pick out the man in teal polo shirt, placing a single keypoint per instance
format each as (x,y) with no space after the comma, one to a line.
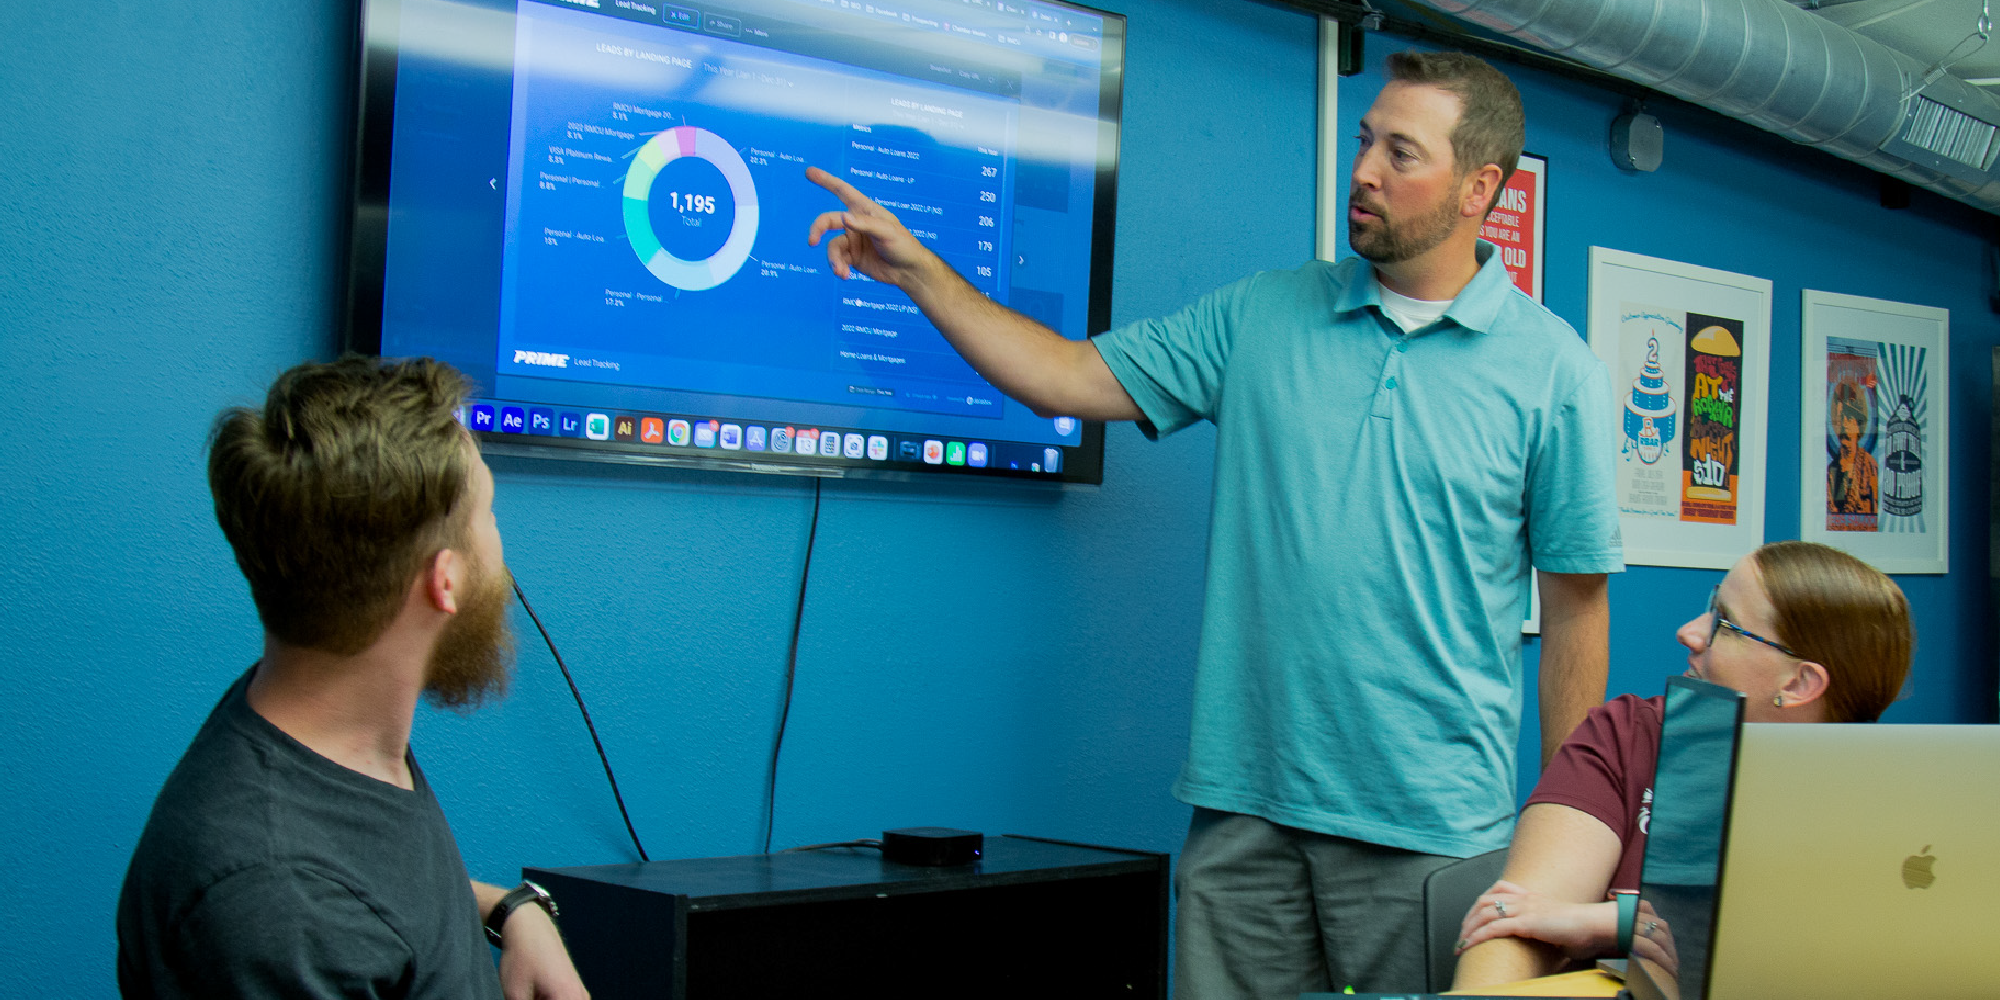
(1399,438)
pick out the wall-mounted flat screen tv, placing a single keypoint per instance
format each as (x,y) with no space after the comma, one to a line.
(597,209)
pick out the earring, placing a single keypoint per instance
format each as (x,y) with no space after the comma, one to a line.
(1777,701)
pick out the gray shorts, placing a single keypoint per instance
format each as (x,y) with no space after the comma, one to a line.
(1270,911)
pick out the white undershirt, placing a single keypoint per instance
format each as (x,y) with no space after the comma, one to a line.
(1408,313)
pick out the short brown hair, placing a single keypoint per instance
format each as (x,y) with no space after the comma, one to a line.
(1844,615)
(1491,126)
(337,492)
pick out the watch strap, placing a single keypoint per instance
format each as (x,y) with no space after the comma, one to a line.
(526,892)
(1628,915)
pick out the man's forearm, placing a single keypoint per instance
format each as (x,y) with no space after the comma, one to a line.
(1576,638)
(1051,374)
(485,897)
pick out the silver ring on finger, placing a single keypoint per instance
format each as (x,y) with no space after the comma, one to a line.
(1499,908)
(1651,926)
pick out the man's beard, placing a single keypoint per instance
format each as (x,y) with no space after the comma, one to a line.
(474,656)
(1386,241)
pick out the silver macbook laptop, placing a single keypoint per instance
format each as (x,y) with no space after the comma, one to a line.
(1855,860)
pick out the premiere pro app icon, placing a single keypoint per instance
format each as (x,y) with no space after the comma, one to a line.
(482,417)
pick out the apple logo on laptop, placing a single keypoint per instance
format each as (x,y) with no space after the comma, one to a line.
(1917,870)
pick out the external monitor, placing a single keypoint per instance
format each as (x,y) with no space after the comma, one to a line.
(598,208)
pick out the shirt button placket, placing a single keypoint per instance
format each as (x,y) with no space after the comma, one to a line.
(1390,367)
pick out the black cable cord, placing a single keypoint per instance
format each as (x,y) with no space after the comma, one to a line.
(578,695)
(791,675)
(865,842)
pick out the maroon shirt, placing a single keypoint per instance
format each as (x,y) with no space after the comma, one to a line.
(1605,769)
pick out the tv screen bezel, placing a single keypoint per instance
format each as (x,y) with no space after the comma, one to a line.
(378,32)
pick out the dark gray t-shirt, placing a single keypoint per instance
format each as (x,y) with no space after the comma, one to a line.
(267,870)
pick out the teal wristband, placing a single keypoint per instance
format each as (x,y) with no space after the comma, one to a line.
(1628,915)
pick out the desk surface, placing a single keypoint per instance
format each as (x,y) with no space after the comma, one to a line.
(1588,983)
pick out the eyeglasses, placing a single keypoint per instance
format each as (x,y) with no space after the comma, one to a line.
(1716,623)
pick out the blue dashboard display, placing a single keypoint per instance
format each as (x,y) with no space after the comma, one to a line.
(598,210)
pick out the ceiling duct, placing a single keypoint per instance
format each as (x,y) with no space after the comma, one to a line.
(1781,68)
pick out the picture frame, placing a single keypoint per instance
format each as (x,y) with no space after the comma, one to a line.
(1689,353)
(1874,427)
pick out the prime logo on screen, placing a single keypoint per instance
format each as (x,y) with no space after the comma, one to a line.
(543,358)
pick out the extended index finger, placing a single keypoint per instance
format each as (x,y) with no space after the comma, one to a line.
(848,194)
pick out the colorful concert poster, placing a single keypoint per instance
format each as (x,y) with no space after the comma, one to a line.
(1902,409)
(1874,408)
(1651,341)
(1715,406)
(1853,475)
(1877,424)
(1688,352)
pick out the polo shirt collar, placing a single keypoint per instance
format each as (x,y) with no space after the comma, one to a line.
(1477,307)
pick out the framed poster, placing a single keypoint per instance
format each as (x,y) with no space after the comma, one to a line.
(1689,351)
(1874,421)
(1516,223)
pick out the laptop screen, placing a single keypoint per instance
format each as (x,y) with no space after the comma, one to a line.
(1684,838)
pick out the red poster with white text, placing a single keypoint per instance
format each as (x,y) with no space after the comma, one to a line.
(1515,224)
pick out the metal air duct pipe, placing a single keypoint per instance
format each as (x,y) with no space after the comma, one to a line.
(1781,68)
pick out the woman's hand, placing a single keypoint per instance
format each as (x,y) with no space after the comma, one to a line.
(1653,941)
(1581,930)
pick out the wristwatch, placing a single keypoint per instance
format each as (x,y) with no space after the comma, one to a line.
(526,892)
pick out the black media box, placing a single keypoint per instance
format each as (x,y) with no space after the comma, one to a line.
(932,846)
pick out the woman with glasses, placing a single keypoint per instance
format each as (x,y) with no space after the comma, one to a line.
(1808,634)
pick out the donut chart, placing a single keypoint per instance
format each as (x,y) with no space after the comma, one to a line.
(660,150)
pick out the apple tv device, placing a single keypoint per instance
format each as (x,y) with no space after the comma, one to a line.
(932,846)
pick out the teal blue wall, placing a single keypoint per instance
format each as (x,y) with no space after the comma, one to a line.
(1004,659)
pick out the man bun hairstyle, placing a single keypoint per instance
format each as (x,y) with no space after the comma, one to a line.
(1844,615)
(1491,125)
(339,491)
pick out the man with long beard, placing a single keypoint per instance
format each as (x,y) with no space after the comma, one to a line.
(1399,438)
(296,850)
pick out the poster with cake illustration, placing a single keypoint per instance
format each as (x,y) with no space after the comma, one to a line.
(1687,351)
(1650,389)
